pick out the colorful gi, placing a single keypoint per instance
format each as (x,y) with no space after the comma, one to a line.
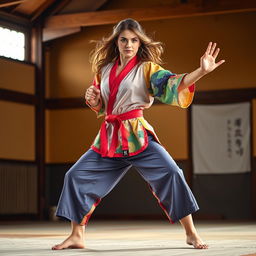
(133,89)
(126,139)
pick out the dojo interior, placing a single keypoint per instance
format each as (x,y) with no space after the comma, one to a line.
(46,125)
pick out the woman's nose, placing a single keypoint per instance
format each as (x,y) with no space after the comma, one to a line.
(128,43)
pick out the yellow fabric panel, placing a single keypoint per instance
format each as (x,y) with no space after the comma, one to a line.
(149,69)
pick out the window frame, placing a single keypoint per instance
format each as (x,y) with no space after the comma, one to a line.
(27,34)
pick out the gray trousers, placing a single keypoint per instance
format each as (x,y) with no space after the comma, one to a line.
(92,177)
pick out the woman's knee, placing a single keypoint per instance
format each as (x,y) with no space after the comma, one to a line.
(174,171)
(167,162)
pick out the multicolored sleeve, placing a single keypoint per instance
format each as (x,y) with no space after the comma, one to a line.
(99,112)
(163,85)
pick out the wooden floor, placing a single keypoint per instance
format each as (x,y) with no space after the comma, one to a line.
(128,238)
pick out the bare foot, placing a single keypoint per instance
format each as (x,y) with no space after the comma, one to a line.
(72,242)
(195,240)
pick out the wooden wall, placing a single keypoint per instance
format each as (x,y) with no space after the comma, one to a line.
(17,129)
(185,39)
(18,173)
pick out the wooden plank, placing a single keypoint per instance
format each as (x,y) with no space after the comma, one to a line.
(86,6)
(38,60)
(18,97)
(50,34)
(30,6)
(55,7)
(6,3)
(140,14)
(42,8)
(224,96)
(65,103)
(8,17)
(111,16)
(17,161)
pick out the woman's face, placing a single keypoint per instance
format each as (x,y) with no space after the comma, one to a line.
(128,44)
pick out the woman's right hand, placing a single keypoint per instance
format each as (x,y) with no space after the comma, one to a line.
(92,95)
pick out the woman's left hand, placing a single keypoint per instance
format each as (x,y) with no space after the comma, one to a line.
(207,61)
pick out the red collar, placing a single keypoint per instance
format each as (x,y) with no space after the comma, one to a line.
(114,81)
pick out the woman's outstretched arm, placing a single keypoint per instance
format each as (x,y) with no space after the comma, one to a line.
(207,65)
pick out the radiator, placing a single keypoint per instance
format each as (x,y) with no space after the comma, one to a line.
(18,188)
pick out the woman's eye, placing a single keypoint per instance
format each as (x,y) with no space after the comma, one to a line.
(123,40)
(134,40)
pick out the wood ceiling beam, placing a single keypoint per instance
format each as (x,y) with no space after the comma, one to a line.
(56,7)
(50,34)
(41,9)
(14,18)
(31,7)
(50,10)
(142,14)
(6,3)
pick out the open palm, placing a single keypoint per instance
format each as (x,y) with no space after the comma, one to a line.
(208,60)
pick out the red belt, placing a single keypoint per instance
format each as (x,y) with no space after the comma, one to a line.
(116,120)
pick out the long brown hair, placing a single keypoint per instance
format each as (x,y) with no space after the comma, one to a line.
(106,50)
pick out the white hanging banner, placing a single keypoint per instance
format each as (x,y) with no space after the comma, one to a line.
(221,138)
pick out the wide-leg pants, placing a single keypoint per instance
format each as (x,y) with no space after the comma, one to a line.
(92,177)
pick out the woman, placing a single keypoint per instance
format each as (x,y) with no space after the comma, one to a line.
(128,78)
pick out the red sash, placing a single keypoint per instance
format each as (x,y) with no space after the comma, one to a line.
(116,120)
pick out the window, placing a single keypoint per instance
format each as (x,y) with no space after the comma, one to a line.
(12,44)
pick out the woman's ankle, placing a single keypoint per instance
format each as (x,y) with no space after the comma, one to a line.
(188,225)
(77,234)
(191,232)
(77,230)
